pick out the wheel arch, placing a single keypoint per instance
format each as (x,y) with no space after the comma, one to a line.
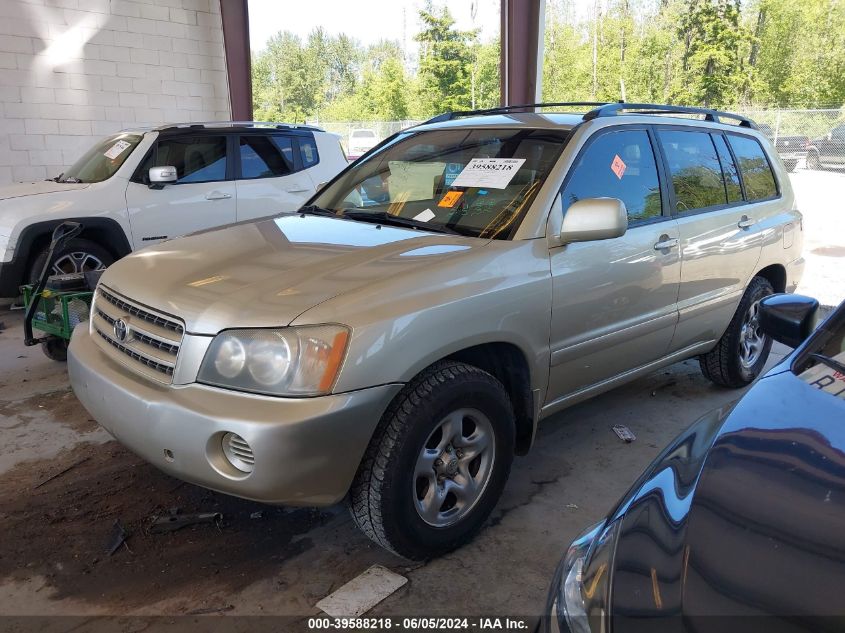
(104,231)
(775,274)
(509,365)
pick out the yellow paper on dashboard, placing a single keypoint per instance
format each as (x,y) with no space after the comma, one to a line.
(411,181)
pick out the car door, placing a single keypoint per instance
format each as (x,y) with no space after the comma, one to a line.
(202,197)
(614,301)
(270,177)
(720,232)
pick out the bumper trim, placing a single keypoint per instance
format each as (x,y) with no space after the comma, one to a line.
(306,450)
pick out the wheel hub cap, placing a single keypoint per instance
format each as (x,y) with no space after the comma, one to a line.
(454,467)
(751,338)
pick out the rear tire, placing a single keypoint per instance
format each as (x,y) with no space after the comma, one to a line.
(76,256)
(437,463)
(741,353)
(813,161)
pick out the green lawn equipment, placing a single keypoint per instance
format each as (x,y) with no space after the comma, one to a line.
(56,304)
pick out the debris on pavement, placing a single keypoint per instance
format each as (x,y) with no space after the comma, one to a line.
(624,433)
(256,515)
(118,538)
(210,610)
(173,521)
(61,472)
(571,506)
(362,593)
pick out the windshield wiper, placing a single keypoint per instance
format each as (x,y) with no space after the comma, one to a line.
(382,217)
(313,209)
(830,362)
(72,180)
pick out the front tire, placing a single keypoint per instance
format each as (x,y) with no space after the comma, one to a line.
(437,463)
(743,350)
(77,256)
(813,161)
(790,165)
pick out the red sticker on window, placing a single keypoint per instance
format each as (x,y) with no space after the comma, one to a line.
(618,166)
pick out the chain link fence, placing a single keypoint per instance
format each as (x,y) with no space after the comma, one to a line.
(813,139)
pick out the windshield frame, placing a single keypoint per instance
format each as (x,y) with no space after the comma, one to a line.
(562,136)
(97,151)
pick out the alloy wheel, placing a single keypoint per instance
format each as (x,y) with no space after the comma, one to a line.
(454,467)
(752,341)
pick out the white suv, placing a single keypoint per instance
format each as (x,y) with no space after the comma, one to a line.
(143,186)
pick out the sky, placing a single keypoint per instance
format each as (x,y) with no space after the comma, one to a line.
(366,20)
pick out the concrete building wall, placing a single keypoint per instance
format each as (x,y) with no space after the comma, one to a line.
(72,71)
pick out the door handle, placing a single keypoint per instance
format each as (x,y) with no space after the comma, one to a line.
(297,190)
(666,242)
(745,222)
(218,195)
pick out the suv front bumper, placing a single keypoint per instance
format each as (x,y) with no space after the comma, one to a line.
(307,450)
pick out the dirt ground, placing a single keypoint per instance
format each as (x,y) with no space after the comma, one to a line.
(67,493)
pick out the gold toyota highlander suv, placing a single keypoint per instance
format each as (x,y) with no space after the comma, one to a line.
(396,341)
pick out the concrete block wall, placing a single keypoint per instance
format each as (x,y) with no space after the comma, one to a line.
(72,71)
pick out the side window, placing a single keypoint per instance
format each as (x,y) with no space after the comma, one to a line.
(308,151)
(265,156)
(729,170)
(754,167)
(196,159)
(695,169)
(838,133)
(617,165)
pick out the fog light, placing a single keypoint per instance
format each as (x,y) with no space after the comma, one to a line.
(238,452)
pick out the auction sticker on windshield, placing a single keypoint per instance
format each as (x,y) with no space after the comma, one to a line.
(495,173)
(116,150)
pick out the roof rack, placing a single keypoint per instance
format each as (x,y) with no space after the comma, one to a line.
(254,124)
(603,109)
(448,116)
(714,116)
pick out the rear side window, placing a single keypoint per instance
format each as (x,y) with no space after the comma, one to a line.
(695,169)
(754,167)
(196,159)
(617,165)
(729,170)
(308,151)
(266,156)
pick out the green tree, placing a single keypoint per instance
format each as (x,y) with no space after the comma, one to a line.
(444,74)
(715,47)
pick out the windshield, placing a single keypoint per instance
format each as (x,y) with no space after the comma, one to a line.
(822,363)
(103,160)
(473,182)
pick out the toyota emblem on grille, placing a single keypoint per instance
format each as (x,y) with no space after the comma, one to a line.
(121,330)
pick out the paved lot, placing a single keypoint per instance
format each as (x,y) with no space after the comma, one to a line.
(55,536)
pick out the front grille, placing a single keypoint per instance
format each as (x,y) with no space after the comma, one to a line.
(150,339)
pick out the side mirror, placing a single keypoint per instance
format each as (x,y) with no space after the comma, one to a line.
(788,319)
(160,176)
(594,219)
(321,185)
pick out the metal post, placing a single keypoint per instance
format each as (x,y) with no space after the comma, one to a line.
(523,25)
(235,19)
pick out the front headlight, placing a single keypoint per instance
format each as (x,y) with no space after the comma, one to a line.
(295,361)
(578,594)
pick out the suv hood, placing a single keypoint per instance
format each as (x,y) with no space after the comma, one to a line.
(267,273)
(21,189)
